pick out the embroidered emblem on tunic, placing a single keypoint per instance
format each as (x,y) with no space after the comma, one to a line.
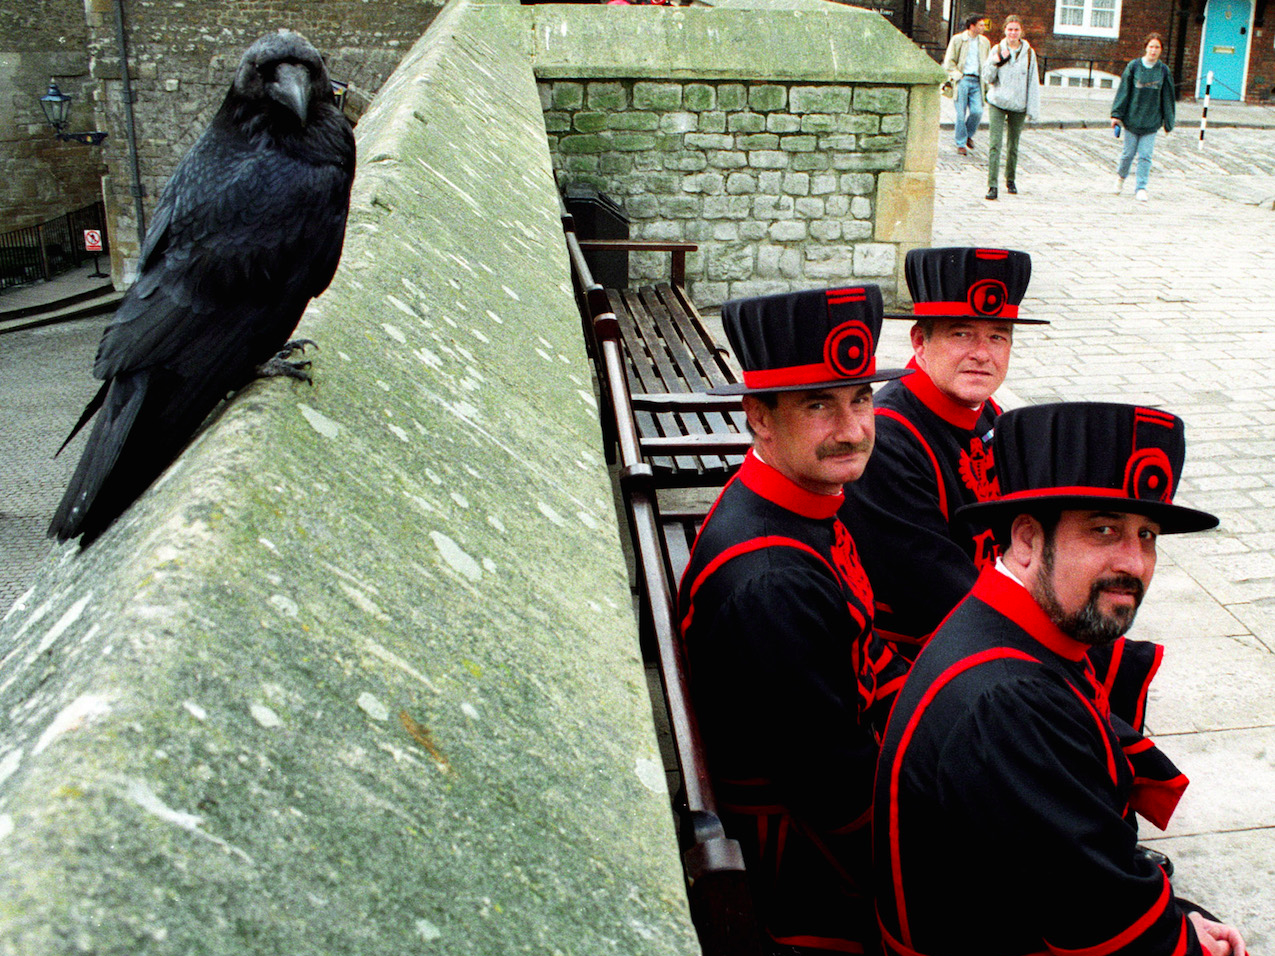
(846,558)
(975,468)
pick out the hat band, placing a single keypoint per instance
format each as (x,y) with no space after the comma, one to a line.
(1076,491)
(1007,311)
(818,373)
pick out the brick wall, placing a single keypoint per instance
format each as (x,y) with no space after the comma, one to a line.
(1137,19)
(42,177)
(183,56)
(776,182)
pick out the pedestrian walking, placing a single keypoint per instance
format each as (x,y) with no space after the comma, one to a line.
(1144,102)
(966,54)
(1013,97)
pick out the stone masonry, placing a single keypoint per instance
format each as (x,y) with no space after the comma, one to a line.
(776,182)
(182,57)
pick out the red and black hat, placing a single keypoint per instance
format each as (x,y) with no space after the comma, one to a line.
(820,338)
(960,282)
(1090,455)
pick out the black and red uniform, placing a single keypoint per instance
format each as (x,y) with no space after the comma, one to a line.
(1003,796)
(932,455)
(789,682)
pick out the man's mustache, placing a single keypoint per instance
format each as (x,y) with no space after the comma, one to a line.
(1119,582)
(835,449)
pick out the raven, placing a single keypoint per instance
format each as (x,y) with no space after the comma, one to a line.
(248,230)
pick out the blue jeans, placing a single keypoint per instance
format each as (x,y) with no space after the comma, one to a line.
(969,100)
(1142,145)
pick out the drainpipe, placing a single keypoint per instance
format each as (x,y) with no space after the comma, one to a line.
(135,185)
(1179,52)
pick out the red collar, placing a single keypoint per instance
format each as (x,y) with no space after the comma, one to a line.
(1010,598)
(761,478)
(954,413)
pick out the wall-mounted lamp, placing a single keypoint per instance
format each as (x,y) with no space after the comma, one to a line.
(339,90)
(56,106)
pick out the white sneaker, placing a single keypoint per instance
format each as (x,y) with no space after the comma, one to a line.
(1140,195)
(1119,185)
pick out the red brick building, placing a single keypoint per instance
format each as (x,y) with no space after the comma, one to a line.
(1087,42)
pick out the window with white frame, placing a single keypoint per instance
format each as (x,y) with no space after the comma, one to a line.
(1089,18)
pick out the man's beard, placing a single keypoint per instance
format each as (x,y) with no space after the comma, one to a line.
(1088,625)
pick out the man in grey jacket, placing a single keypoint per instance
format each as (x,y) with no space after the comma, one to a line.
(966,55)
(1013,96)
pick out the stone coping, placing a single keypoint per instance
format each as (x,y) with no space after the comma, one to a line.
(796,40)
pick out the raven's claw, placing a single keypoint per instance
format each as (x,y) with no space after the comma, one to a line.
(279,365)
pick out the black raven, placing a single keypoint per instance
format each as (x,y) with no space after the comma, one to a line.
(248,230)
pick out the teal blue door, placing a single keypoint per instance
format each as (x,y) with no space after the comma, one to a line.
(1225,51)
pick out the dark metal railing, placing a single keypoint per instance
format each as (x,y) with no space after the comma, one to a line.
(50,248)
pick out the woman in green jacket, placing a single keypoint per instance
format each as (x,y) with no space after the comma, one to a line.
(1144,102)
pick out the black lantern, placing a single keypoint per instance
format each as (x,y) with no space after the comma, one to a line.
(56,106)
(339,90)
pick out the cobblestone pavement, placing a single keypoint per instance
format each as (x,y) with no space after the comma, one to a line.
(1170,302)
(45,382)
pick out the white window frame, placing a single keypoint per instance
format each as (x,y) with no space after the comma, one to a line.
(1086,29)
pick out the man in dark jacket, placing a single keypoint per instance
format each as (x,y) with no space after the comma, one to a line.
(1006,786)
(933,432)
(789,682)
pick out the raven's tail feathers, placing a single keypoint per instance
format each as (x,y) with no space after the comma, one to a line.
(122,399)
(94,404)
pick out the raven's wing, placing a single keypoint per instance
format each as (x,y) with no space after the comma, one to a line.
(243,238)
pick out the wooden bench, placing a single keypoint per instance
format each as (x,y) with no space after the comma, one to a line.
(672,361)
(717,887)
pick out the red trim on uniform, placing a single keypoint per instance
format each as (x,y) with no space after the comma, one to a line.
(922,386)
(1180,949)
(1120,940)
(938,474)
(838,296)
(1157,799)
(893,636)
(746,547)
(1139,714)
(708,517)
(891,687)
(1167,419)
(766,481)
(993,254)
(815,374)
(962,310)
(1072,491)
(858,823)
(1113,668)
(1103,725)
(1013,600)
(820,942)
(1141,745)
(954,671)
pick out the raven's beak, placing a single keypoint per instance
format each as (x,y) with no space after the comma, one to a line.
(291,87)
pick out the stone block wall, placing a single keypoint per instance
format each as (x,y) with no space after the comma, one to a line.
(182,57)
(778,183)
(40,177)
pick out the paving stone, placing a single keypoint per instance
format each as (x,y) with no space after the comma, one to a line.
(1230,874)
